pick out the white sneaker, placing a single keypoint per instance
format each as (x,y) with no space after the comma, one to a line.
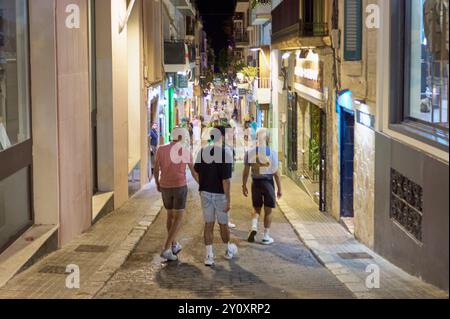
(252,235)
(267,240)
(231,226)
(168,254)
(209,261)
(231,252)
(177,248)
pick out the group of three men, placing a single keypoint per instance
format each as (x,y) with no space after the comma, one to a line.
(213,170)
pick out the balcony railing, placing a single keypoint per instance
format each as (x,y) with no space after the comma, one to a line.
(261,12)
(285,16)
(308,29)
(241,38)
(286,20)
(264,83)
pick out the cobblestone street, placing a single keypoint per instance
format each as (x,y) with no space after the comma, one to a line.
(285,270)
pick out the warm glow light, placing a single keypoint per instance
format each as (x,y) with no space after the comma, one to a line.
(240,77)
(313,56)
(286,55)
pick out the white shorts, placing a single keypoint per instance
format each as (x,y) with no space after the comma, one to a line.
(214,206)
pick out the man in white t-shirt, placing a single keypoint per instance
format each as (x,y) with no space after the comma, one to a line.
(262,163)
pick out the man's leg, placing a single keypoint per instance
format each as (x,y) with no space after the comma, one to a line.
(255,221)
(177,221)
(257,200)
(209,234)
(269,205)
(209,239)
(210,220)
(170,218)
(267,224)
(225,234)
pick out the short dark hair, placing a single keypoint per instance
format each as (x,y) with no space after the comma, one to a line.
(222,131)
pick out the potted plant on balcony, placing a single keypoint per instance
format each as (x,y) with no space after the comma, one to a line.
(262,2)
(250,73)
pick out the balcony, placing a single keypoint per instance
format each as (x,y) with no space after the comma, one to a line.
(261,12)
(263,90)
(241,40)
(178,56)
(185,7)
(241,6)
(287,22)
(190,26)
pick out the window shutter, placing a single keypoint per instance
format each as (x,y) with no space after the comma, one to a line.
(353,30)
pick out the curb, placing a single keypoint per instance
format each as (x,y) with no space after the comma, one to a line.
(98,280)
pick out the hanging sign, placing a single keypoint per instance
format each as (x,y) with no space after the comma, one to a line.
(182,81)
(309,74)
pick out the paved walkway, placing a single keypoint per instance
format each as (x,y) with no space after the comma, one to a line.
(119,258)
(98,253)
(344,256)
(285,270)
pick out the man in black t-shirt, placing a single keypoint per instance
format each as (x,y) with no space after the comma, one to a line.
(214,166)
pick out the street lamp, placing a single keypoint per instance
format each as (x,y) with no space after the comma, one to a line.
(263,55)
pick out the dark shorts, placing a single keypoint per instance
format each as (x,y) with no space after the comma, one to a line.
(174,198)
(263,193)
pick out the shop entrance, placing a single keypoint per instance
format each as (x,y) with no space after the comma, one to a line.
(347,137)
(153,118)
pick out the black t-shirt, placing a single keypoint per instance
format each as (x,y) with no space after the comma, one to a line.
(214,165)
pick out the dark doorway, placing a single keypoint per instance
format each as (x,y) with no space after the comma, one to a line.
(323,160)
(347,162)
(291,132)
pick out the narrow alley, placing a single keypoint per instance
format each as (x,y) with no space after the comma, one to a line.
(133,269)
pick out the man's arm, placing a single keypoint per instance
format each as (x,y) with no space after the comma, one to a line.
(227,189)
(278,182)
(194,172)
(156,171)
(245,176)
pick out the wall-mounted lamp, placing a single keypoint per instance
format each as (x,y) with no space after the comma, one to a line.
(286,55)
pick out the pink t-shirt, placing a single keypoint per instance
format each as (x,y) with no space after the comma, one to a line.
(173,159)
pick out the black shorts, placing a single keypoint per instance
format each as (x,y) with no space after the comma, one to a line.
(175,198)
(263,193)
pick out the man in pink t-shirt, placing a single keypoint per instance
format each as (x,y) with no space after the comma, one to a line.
(170,178)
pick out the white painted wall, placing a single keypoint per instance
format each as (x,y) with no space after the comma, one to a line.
(134,88)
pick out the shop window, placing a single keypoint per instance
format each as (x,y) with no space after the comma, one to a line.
(427,62)
(14,86)
(15,137)
(419,66)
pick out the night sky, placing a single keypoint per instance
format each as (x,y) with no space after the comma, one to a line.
(217,16)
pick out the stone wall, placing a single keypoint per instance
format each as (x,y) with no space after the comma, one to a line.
(361,78)
(364,184)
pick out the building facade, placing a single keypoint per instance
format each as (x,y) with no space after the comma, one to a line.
(302,63)
(372,157)
(78,81)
